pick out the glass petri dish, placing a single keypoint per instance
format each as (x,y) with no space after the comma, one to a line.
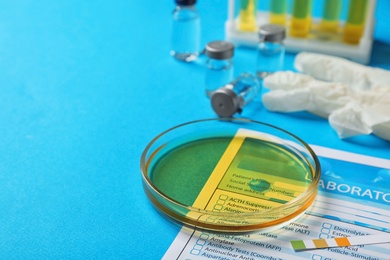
(230,175)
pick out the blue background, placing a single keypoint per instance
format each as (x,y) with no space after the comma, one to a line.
(84,86)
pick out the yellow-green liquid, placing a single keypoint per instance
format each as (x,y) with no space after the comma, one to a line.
(301,18)
(354,27)
(247,16)
(278,12)
(331,16)
(182,171)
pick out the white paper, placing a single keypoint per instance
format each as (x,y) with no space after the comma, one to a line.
(342,208)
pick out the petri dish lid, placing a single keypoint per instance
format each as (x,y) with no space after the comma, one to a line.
(230,174)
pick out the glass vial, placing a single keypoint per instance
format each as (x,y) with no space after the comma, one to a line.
(231,98)
(271,50)
(219,65)
(185,31)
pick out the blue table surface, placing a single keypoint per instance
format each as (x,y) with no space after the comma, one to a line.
(85,85)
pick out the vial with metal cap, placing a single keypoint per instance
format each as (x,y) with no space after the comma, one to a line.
(185,31)
(271,49)
(231,98)
(219,65)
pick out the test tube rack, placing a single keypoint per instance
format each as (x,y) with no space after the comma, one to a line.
(315,42)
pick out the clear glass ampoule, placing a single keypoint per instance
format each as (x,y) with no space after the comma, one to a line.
(231,98)
(185,31)
(271,50)
(219,65)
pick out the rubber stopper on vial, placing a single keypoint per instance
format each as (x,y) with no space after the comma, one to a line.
(220,50)
(272,33)
(185,2)
(225,102)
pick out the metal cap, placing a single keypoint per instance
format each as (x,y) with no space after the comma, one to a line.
(225,102)
(185,2)
(220,50)
(272,33)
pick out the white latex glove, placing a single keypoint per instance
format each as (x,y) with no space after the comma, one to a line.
(291,92)
(350,111)
(335,69)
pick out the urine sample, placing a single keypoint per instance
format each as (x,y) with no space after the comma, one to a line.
(301,18)
(247,16)
(356,19)
(331,16)
(278,12)
(231,175)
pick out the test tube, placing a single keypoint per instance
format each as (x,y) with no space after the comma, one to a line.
(354,26)
(331,16)
(247,17)
(278,10)
(301,18)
